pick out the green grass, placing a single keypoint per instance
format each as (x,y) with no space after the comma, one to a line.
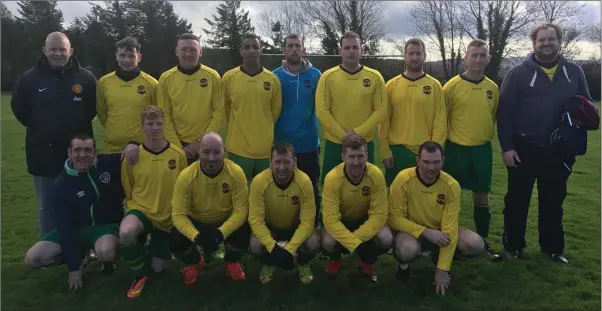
(534,283)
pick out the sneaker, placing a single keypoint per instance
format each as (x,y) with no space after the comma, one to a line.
(235,271)
(491,254)
(560,258)
(403,272)
(333,267)
(107,268)
(190,274)
(367,270)
(137,286)
(513,254)
(266,274)
(305,274)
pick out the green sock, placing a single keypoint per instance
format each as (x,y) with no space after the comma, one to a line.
(190,256)
(136,257)
(482,216)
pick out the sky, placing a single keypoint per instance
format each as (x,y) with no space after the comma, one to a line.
(396,22)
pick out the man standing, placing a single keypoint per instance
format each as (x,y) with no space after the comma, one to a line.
(533,98)
(252,103)
(297,123)
(189,94)
(350,99)
(55,100)
(472,101)
(416,113)
(121,96)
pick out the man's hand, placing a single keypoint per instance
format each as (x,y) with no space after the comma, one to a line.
(75,280)
(388,163)
(441,281)
(191,150)
(131,153)
(510,158)
(437,237)
(282,258)
(210,240)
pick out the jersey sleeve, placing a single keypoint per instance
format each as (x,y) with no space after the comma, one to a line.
(217,104)
(257,213)
(332,215)
(377,214)
(308,216)
(127,178)
(323,103)
(101,105)
(226,101)
(164,102)
(385,125)
(240,202)
(379,109)
(180,205)
(440,122)
(449,226)
(276,103)
(398,209)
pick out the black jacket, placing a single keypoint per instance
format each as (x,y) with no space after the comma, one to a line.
(54,106)
(85,199)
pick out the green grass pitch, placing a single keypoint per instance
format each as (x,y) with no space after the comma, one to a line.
(535,283)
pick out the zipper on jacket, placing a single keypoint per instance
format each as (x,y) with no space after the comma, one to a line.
(97,197)
(298,87)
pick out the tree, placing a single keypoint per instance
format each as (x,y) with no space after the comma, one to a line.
(329,41)
(288,15)
(594,33)
(228,27)
(37,19)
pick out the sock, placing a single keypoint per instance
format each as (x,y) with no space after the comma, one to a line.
(190,256)
(233,254)
(137,258)
(404,266)
(303,258)
(482,216)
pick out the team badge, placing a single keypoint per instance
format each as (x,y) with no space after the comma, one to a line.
(172,164)
(367,82)
(267,86)
(225,188)
(489,94)
(295,200)
(307,84)
(77,89)
(140,89)
(426,90)
(105,177)
(366,191)
(204,83)
(441,199)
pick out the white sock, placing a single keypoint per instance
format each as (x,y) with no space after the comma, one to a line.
(404,266)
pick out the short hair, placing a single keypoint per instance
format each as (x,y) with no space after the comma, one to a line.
(349,35)
(188,36)
(282,148)
(129,44)
(250,36)
(151,112)
(82,136)
(536,28)
(291,36)
(477,43)
(353,141)
(414,41)
(430,147)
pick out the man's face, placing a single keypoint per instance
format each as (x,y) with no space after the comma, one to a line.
(153,128)
(283,166)
(211,156)
(350,50)
(82,154)
(127,60)
(414,57)
(355,160)
(250,50)
(57,51)
(188,52)
(477,58)
(293,51)
(429,164)
(546,45)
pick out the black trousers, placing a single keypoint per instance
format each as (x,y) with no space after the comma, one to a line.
(551,169)
(309,163)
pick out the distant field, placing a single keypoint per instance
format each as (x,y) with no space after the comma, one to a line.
(532,284)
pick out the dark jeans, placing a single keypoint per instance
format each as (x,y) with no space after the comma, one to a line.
(551,169)
(45,196)
(309,163)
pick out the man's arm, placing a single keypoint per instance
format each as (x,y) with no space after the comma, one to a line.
(398,210)
(101,106)
(164,102)
(20,101)
(505,113)
(323,102)
(449,226)
(66,230)
(583,89)
(180,204)
(308,216)
(91,99)
(127,178)
(217,104)
(385,125)
(225,94)
(377,215)
(440,121)
(257,208)
(332,215)
(379,109)
(240,201)
(276,102)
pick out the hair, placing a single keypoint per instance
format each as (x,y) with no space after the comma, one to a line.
(353,141)
(283,148)
(82,136)
(129,44)
(414,41)
(477,43)
(291,36)
(188,36)
(151,112)
(536,28)
(349,35)
(430,147)
(250,36)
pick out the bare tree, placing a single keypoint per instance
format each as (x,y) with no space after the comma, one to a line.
(594,34)
(288,15)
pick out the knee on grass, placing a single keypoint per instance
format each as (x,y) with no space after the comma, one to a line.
(39,256)
(470,244)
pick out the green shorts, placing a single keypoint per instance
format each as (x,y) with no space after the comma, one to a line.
(86,236)
(470,166)
(332,156)
(251,167)
(158,246)
(402,158)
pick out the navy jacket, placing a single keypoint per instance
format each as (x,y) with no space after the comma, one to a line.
(531,106)
(84,199)
(54,106)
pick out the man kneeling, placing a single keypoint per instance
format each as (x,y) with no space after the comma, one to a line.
(354,209)
(282,212)
(423,212)
(88,202)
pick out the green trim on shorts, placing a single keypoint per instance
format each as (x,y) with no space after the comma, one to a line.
(158,246)
(332,156)
(251,167)
(471,166)
(402,158)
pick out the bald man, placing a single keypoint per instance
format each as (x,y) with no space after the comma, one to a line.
(55,100)
(210,205)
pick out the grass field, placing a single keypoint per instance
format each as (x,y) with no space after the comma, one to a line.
(534,283)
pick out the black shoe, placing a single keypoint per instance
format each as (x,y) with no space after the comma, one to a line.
(513,254)
(560,258)
(403,274)
(491,254)
(107,268)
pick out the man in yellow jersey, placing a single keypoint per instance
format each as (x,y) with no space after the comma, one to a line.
(252,103)
(282,216)
(424,204)
(210,205)
(416,113)
(472,102)
(189,94)
(148,187)
(120,96)
(354,209)
(350,98)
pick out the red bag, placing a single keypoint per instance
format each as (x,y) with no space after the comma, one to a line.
(585,115)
